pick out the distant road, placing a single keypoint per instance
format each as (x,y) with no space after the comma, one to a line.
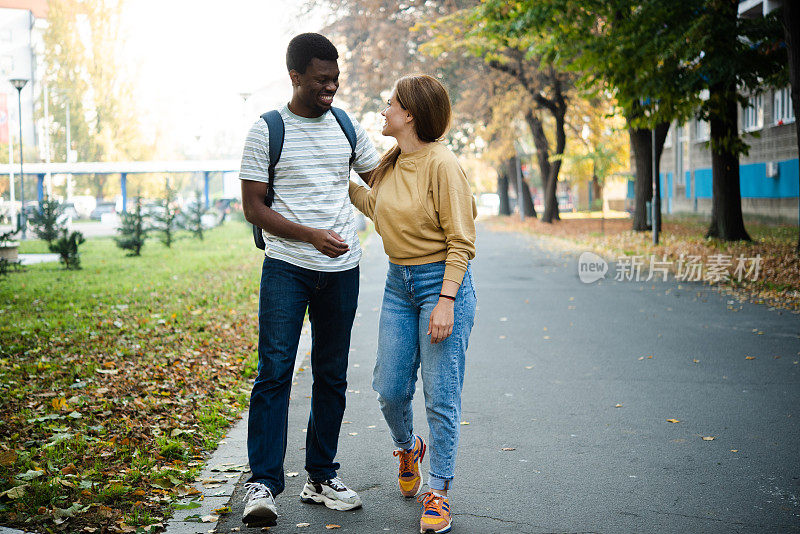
(87,228)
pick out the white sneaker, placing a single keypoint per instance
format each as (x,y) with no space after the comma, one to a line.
(260,505)
(332,493)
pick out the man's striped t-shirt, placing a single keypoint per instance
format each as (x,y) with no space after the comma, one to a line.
(311,184)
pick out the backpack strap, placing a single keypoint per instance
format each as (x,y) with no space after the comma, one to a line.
(276,134)
(347,127)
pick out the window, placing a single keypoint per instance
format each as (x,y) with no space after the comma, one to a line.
(782,110)
(702,131)
(753,114)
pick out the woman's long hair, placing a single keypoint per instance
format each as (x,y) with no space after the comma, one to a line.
(428,102)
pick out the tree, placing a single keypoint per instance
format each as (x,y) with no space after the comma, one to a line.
(482,32)
(83,55)
(165,220)
(47,221)
(657,58)
(790,14)
(66,246)
(379,41)
(194,216)
(132,230)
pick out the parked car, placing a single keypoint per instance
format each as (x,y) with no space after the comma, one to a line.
(101,208)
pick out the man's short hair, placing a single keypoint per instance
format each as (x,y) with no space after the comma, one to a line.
(307,46)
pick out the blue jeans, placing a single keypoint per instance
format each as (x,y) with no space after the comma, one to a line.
(410,295)
(331,298)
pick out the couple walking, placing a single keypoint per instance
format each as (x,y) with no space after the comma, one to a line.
(422,207)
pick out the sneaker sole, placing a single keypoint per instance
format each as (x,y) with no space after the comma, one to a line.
(419,470)
(268,517)
(448,528)
(316,498)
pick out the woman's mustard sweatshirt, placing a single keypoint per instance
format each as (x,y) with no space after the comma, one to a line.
(424,210)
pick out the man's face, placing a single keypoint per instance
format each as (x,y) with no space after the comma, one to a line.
(315,88)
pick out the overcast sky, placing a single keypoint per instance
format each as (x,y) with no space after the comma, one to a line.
(193,58)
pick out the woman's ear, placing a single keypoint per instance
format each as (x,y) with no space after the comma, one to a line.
(409,117)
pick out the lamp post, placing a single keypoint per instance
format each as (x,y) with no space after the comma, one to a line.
(18,84)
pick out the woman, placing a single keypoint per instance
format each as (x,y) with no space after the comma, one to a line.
(423,209)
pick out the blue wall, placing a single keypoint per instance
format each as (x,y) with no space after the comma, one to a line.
(753,181)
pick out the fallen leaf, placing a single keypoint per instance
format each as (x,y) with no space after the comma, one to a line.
(70,470)
(696,361)
(749,357)
(673,421)
(331,527)
(708,438)
(300,525)
(464,422)
(210,518)
(734,450)
(618,406)
(15,492)
(30,474)
(528,367)
(222,510)
(292,474)
(353,433)
(8,458)
(508,449)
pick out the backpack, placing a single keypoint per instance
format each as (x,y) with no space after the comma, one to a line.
(276,134)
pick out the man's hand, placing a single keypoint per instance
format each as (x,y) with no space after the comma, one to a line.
(329,243)
(440,325)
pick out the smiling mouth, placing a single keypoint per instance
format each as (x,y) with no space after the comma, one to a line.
(326,99)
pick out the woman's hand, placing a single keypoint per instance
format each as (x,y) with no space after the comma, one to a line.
(441,322)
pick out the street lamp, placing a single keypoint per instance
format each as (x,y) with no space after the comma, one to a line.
(18,84)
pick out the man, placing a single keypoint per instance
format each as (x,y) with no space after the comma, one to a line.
(312,255)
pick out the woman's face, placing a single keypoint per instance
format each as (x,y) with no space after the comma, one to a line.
(396,119)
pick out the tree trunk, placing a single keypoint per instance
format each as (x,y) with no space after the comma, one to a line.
(502,190)
(551,212)
(545,168)
(791,34)
(642,146)
(527,201)
(643,181)
(726,205)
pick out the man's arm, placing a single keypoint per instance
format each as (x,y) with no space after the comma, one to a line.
(256,212)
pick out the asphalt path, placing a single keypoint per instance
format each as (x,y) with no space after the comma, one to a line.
(578,382)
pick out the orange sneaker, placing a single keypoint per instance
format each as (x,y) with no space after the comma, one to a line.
(410,476)
(435,514)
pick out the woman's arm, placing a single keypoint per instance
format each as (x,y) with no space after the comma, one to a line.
(363,199)
(440,325)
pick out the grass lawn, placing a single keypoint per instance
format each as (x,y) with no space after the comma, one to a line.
(116,379)
(778,279)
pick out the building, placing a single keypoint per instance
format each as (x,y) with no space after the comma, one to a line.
(768,174)
(21,23)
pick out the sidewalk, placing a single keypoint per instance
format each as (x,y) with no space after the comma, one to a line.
(217,481)
(569,388)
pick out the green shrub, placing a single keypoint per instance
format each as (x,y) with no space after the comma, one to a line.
(67,249)
(132,230)
(48,221)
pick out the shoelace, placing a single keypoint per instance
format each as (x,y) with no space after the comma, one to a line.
(432,502)
(406,460)
(337,484)
(256,490)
